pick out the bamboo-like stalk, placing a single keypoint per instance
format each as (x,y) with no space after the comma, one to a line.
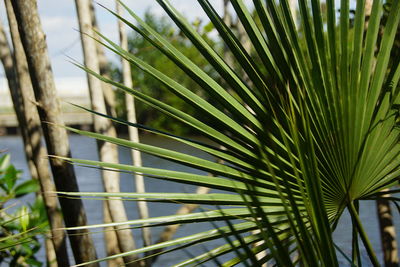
(41,76)
(107,152)
(133,132)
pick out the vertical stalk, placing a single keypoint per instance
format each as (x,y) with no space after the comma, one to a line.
(133,132)
(107,152)
(110,237)
(363,234)
(355,246)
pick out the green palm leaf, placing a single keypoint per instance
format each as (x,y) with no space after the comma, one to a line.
(306,133)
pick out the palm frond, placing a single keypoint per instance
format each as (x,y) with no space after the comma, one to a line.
(305,128)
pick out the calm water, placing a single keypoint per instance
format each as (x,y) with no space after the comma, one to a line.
(89,180)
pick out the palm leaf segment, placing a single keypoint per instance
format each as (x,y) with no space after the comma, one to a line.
(306,129)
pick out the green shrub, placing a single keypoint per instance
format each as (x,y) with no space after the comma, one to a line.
(20,225)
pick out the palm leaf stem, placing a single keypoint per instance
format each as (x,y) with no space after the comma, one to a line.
(363,234)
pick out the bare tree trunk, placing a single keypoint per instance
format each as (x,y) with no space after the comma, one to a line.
(7,60)
(388,233)
(23,98)
(51,257)
(133,132)
(110,237)
(109,96)
(34,44)
(107,152)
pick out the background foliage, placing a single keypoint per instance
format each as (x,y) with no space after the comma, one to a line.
(148,85)
(20,225)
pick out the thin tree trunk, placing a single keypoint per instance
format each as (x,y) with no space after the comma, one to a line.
(388,233)
(107,152)
(51,257)
(133,132)
(28,117)
(34,44)
(6,57)
(110,237)
(109,96)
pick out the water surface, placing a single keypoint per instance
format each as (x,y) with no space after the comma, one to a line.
(89,180)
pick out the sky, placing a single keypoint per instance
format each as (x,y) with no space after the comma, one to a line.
(59,22)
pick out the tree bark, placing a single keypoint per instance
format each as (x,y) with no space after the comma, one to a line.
(111,239)
(29,122)
(388,233)
(51,256)
(110,236)
(107,152)
(6,57)
(133,132)
(35,47)
(108,92)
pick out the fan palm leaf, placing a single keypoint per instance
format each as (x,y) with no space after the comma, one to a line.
(303,130)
